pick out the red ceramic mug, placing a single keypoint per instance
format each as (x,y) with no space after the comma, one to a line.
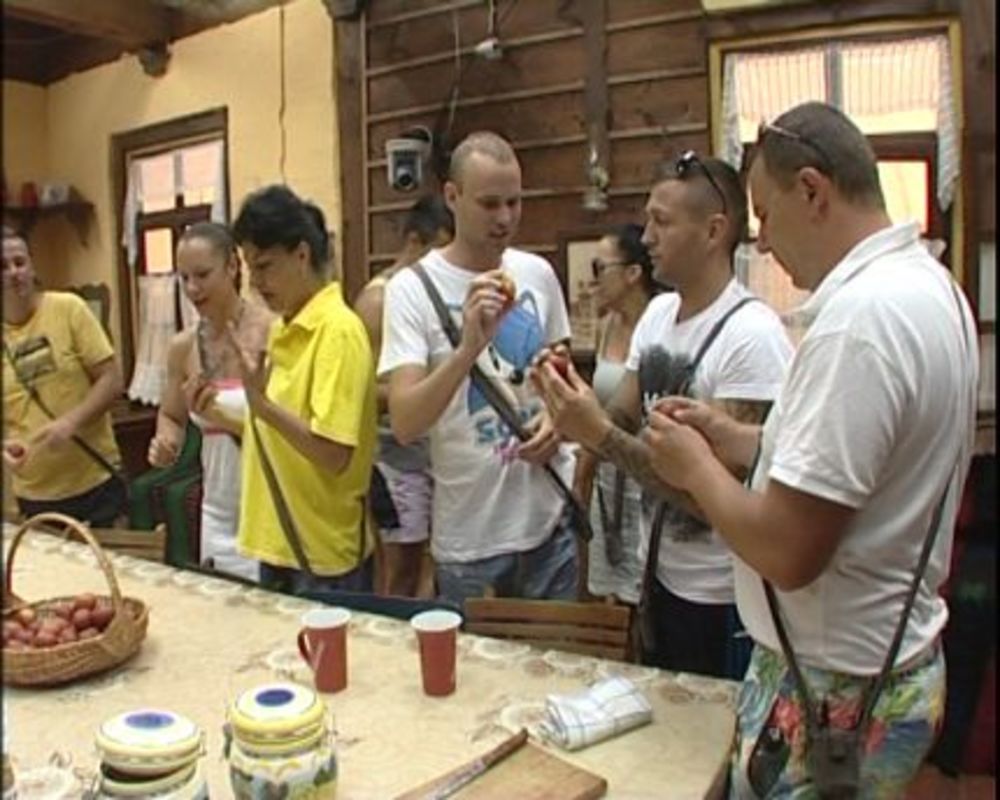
(436,634)
(323,644)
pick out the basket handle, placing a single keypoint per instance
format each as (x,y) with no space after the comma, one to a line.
(71,526)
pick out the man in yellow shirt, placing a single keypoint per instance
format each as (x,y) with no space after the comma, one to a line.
(313,405)
(60,379)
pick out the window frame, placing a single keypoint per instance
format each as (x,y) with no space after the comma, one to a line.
(144,142)
(959,255)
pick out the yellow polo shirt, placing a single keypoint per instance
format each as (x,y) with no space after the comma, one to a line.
(321,370)
(53,351)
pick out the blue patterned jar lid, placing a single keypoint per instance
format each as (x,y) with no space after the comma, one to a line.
(277,712)
(149,741)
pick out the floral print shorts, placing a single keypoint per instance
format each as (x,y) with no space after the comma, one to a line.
(905,721)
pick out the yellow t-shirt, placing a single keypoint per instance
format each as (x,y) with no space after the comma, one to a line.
(52,351)
(322,370)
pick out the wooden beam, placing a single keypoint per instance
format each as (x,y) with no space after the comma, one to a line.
(133,23)
(350,88)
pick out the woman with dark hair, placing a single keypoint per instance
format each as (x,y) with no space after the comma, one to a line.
(203,380)
(307,455)
(623,285)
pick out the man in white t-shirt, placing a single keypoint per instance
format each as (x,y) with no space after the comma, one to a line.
(865,452)
(696,214)
(499,524)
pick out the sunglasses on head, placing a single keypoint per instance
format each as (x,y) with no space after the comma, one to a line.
(689,160)
(597,266)
(766,129)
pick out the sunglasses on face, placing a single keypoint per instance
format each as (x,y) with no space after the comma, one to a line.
(766,129)
(597,266)
(688,161)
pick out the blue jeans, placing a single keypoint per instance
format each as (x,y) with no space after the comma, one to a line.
(294,581)
(549,572)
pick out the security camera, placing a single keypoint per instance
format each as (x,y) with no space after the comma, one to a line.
(405,159)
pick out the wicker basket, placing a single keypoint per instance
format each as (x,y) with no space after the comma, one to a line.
(66,662)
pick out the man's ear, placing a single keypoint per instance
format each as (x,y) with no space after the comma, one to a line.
(814,188)
(451,192)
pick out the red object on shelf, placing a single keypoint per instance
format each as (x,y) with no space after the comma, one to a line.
(29,194)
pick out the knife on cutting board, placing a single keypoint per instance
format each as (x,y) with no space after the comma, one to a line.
(449,783)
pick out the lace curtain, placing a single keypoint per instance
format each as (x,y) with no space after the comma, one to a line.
(881,85)
(197,173)
(157,326)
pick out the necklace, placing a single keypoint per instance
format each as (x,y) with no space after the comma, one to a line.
(210,366)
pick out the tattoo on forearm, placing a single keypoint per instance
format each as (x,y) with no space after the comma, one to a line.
(626,452)
(623,418)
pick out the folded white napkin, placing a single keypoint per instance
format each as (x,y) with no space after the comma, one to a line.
(607,708)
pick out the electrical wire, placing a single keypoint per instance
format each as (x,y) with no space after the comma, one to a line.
(443,131)
(282,91)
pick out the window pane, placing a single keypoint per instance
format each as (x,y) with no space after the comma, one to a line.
(158,250)
(201,166)
(770,83)
(892,86)
(157,176)
(906,186)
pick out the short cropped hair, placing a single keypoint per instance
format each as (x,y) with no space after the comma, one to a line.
(485,142)
(728,181)
(275,216)
(821,136)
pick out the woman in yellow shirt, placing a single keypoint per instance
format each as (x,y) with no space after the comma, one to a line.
(312,421)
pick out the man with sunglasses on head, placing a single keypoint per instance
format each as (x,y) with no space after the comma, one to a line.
(860,466)
(696,214)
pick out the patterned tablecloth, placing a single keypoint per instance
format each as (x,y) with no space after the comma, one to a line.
(209,639)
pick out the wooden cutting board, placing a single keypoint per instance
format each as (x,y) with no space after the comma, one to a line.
(530,773)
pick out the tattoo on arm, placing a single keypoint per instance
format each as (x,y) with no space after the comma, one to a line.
(752,412)
(630,454)
(623,418)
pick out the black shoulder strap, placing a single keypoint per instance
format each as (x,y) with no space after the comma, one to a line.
(874,689)
(683,387)
(494,396)
(713,334)
(284,513)
(36,398)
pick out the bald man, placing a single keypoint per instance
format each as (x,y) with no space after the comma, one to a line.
(500,527)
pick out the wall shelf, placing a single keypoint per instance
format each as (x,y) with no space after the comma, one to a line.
(78,212)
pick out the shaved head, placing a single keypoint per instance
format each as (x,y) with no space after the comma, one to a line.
(484,142)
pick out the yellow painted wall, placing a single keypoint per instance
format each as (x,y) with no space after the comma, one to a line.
(25,151)
(237,66)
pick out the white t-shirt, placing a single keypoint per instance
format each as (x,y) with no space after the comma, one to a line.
(746,361)
(486,500)
(879,398)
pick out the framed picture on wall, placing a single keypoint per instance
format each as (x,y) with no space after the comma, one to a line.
(576,254)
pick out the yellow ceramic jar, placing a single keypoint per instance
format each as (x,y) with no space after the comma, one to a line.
(151,753)
(280,743)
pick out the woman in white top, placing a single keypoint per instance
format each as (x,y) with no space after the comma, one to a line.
(203,381)
(623,285)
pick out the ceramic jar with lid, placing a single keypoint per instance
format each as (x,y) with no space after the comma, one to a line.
(280,743)
(151,753)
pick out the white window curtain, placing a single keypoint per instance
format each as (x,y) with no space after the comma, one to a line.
(156,327)
(879,84)
(198,173)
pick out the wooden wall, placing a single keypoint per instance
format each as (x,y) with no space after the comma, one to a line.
(637,67)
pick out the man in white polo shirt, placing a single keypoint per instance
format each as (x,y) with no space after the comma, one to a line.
(865,451)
